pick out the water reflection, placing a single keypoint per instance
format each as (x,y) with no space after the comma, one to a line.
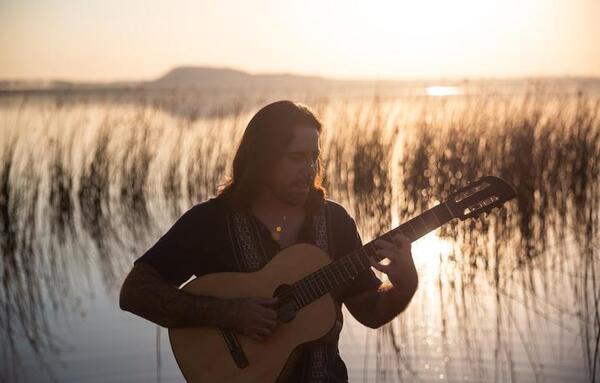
(443,90)
(501,298)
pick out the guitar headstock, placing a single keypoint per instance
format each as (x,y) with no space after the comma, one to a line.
(480,196)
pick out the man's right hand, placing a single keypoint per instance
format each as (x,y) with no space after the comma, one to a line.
(255,318)
(147,294)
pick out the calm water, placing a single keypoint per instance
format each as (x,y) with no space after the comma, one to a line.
(88,184)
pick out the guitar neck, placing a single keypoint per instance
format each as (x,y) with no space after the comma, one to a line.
(342,271)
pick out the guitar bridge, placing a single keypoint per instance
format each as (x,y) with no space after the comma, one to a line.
(235,348)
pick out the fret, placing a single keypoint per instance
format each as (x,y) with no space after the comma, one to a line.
(322,278)
(346,269)
(305,293)
(439,222)
(299,296)
(343,272)
(421,228)
(395,232)
(332,273)
(362,259)
(330,277)
(314,289)
(387,236)
(425,223)
(363,256)
(448,208)
(305,297)
(351,258)
(400,230)
(340,274)
(414,235)
(373,251)
(318,281)
(432,219)
(444,215)
(365,260)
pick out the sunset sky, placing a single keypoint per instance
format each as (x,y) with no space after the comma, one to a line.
(120,39)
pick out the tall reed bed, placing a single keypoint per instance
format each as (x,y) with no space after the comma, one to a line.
(539,256)
(93,184)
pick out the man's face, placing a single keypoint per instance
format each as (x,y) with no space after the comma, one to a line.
(292,177)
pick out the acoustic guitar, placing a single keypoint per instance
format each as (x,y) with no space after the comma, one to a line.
(302,276)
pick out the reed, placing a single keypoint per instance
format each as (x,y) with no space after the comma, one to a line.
(110,177)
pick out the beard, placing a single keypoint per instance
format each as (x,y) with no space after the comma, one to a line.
(291,194)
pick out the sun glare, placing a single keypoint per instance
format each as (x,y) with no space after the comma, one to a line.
(427,254)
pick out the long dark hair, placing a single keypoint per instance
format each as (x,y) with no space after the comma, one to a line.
(267,135)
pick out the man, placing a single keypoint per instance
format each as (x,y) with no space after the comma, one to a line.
(273,200)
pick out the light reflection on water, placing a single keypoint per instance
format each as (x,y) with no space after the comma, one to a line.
(443,90)
(87,187)
(503,341)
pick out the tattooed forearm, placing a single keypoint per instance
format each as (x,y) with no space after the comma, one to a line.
(146,294)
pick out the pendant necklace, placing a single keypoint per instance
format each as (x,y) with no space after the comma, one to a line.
(278,229)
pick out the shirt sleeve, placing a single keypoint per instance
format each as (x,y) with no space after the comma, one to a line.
(176,254)
(365,281)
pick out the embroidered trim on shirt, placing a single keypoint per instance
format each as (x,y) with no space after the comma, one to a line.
(318,350)
(247,257)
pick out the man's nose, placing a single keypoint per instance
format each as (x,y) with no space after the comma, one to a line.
(309,171)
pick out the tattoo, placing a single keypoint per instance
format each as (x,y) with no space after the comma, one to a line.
(147,294)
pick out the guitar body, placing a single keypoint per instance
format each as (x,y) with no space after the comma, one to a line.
(201,352)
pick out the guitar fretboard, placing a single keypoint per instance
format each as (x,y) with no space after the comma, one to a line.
(342,271)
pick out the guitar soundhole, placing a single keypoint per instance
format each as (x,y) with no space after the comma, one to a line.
(286,305)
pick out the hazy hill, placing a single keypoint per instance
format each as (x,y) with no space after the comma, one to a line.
(207,77)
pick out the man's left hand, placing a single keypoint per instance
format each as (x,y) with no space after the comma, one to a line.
(401,269)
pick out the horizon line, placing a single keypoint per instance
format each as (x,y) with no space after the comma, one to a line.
(297,74)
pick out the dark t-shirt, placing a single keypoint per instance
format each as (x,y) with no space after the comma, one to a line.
(201,242)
